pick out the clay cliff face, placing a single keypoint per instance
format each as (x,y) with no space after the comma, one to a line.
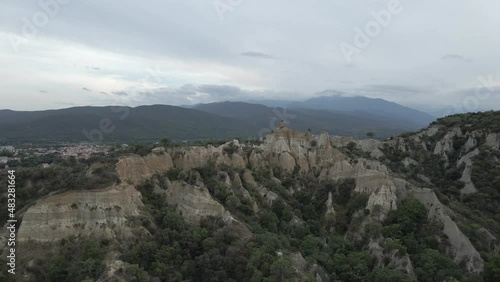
(134,168)
(103,213)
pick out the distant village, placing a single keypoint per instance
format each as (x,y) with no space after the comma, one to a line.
(9,154)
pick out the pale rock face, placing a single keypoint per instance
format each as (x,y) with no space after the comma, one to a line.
(431,131)
(369,145)
(132,169)
(311,159)
(135,168)
(255,159)
(329,205)
(276,145)
(461,248)
(101,213)
(385,197)
(224,176)
(469,187)
(377,154)
(342,141)
(158,162)
(424,146)
(403,263)
(268,196)
(407,162)
(284,160)
(237,180)
(493,141)
(375,165)
(235,160)
(193,157)
(471,143)
(303,163)
(248,178)
(324,141)
(194,202)
(445,145)
(239,189)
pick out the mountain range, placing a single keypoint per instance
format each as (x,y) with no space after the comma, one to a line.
(344,116)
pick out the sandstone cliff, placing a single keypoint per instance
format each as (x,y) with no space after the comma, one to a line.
(103,213)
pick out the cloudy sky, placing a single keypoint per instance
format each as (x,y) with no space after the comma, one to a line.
(432,55)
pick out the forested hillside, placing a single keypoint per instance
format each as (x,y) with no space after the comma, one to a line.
(295,207)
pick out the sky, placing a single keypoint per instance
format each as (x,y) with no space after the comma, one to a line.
(437,56)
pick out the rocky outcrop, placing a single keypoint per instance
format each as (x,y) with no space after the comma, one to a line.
(461,249)
(396,260)
(330,211)
(104,213)
(134,168)
(469,187)
(195,203)
(445,145)
(493,141)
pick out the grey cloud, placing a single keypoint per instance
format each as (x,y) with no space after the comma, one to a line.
(86,89)
(455,57)
(43,91)
(395,88)
(257,55)
(190,94)
(120,93)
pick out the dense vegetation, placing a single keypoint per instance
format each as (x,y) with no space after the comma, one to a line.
(473,121)
(64,175)
(477,214)
(179,252)
(293,224)
(292,235)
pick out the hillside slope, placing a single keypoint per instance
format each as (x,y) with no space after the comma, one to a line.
(145,123)
(341,123)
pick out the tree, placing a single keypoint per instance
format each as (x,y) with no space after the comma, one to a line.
(281,270)
(492,269)
(389,275)
(370,134)
(431,265)
(166,142)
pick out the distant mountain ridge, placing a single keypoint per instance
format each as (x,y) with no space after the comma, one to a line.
(144,123)
(353,116)
(334,101)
